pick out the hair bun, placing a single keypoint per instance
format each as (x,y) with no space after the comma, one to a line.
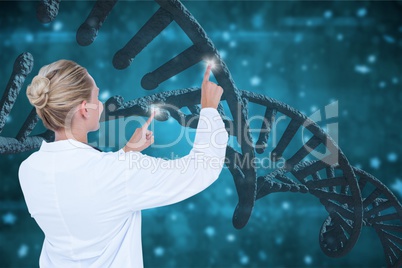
(38,91)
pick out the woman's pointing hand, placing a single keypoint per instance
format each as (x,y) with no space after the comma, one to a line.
(210,92)
(142,137)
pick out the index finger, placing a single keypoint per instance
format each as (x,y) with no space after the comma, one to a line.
(149,119)
(207,73)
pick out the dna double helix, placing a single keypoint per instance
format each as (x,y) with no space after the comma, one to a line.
(352,197)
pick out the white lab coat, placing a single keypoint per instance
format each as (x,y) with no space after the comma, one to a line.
(88,203)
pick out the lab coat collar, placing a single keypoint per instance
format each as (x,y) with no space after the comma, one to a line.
(62,145)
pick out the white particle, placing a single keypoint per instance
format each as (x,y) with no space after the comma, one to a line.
(339,37)
(392,157)
(304,67)
(285,205)
(371,58)
(232,44)
(397,186)
(230,238)
(262,255)
(313,108)
(298,38)
(328,14)
(389,39)
(23,251)
(363,69)
(9,218)
(279,240)
(29,38)
(395,80)
(228,191)
(361,12)
(382,84)
(173,217)
(223,54)
(302,94)
(57,26)
(255,81)
(244,259)
(9,119)
(244,62)
(210,231)
(308,260)
(258,21)
(191,206)
(268,65)
(159,251)
(104,95)
(226,36)
(375,162)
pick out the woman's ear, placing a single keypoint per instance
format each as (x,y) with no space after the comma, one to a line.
(83,109)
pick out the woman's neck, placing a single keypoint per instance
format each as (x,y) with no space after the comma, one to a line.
(63,135)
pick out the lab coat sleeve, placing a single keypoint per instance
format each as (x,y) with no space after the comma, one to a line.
(154,182)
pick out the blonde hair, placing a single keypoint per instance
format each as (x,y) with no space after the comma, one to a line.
(57,89)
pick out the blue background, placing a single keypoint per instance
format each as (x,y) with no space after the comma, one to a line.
(304,53)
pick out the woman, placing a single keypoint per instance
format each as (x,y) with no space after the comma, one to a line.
(88,203)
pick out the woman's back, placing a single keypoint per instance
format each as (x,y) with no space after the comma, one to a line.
(80,204)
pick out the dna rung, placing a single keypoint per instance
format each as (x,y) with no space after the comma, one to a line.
(152,28)
(47,10)
(88,31)
(187,58)
(22,67)
(262,141)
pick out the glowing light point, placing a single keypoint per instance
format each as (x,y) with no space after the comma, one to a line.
(230,238)
(211,62)
(23,251)
(155,109)
(210,231)
(392,157)
(159,251)
(308,260)
(375,163)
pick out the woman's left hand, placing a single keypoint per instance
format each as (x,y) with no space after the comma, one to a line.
(142,137)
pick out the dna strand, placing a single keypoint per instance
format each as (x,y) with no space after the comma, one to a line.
(22,141)
(352,197)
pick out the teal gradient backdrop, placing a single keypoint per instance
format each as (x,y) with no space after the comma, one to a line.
(304,53)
